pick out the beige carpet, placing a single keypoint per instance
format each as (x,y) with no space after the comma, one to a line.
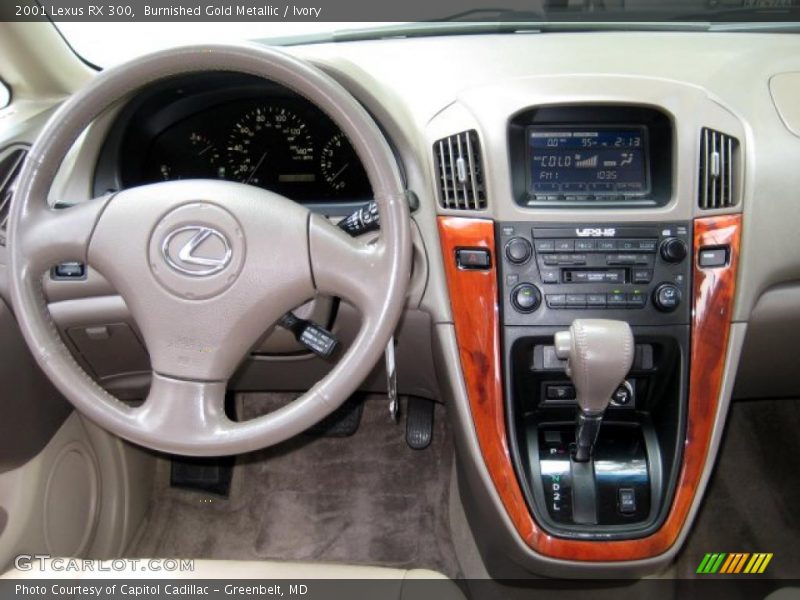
(366,499)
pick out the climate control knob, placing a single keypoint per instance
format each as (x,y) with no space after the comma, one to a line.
(673,250)
(667,297)
(518,250)
(526,297)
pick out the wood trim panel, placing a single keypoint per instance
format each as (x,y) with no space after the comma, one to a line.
(474,303)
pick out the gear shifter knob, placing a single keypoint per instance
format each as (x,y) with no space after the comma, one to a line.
(599,353)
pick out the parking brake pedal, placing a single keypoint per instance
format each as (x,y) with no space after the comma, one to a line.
(212,475)
(419,422)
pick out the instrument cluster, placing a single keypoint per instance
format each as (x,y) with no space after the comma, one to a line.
(281,143)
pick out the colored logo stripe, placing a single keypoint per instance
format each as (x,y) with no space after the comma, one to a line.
(734,563)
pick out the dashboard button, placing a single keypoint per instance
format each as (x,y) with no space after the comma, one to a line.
(576,300)
(607,244)
(596,300)
(565,245)
(549,275)
(526,297)
(616,300)
(636,300)
(545,245)
(473,258)
(583,245)
(642,276)
(667,297)
(518,250)
(556,300)
(713,257)
(673,250)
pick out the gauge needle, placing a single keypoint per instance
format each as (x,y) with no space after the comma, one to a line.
(257,167)
(206,149)
(339,172)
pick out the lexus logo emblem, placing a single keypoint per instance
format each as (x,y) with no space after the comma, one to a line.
(196,250)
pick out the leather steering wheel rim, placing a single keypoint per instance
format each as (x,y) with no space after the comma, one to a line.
(199,328)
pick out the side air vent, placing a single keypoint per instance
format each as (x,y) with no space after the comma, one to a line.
(11,160)
(717,164)
(458,161)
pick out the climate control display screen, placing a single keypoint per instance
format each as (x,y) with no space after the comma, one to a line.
(579,163)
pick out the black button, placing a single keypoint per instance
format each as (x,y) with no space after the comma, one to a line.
(576,300)
(69,270)
(636,300)
(713,257)
(584,245)
(616,300)
(673,250)
(621,396)
(667,297)
(518,250)
(627,500)
(642,275)
(596,300)
(473,258)
(552,436)
(607,244)
(544,245)
(647,245)
(549,275)
(565,245)
(526,297)
(556,300)
(628,245)
(560,392)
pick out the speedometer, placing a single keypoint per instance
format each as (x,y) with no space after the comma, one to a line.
(271,146)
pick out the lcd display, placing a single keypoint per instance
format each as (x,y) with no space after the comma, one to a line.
(580,163)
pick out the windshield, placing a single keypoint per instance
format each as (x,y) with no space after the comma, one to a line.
(107,43)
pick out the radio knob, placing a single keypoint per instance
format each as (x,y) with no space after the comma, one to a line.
(667,297)
(526,297)
(518,250)
(673,250)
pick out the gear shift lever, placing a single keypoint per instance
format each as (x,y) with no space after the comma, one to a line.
(599,353)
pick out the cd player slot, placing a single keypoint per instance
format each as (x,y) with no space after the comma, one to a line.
(616,276)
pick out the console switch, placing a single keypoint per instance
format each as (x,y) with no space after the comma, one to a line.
(473,258)
(627,501)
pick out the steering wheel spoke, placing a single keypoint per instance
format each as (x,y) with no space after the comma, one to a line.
(59,235)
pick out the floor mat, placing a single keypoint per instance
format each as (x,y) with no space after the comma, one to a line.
(753,500)
(366,499)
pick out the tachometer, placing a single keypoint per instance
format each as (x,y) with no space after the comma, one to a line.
(340,166)
(271,147)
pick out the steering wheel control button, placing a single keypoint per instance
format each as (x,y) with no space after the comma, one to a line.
(673,250)
(526,297)
(518,250)
(473,258)
(713,257)
(68,271)
(667,297)
(197,250)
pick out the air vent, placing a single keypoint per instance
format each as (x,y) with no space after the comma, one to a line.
(11,160)
(458,160)
(717,163)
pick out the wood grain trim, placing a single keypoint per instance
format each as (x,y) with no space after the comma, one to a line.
(473,298)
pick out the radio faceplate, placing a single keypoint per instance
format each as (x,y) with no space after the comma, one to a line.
(553,274)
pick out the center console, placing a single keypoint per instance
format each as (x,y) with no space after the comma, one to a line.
(551,275)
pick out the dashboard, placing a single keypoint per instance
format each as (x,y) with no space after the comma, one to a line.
(234,129)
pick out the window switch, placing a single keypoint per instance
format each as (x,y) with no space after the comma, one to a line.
(627,501)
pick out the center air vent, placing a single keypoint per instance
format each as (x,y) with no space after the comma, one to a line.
(11,160)
(460,171)
(717,163)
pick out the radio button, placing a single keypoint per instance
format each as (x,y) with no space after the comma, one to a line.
(545,245)
(565,245)
(673,250)
(583,245)
(642,276)
(556,300)
(606,244)
(628,245)
(647,245)
(621,259)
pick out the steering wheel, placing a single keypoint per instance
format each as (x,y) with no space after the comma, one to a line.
(206,267)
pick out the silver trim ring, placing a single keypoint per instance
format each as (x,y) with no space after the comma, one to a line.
(185,254)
